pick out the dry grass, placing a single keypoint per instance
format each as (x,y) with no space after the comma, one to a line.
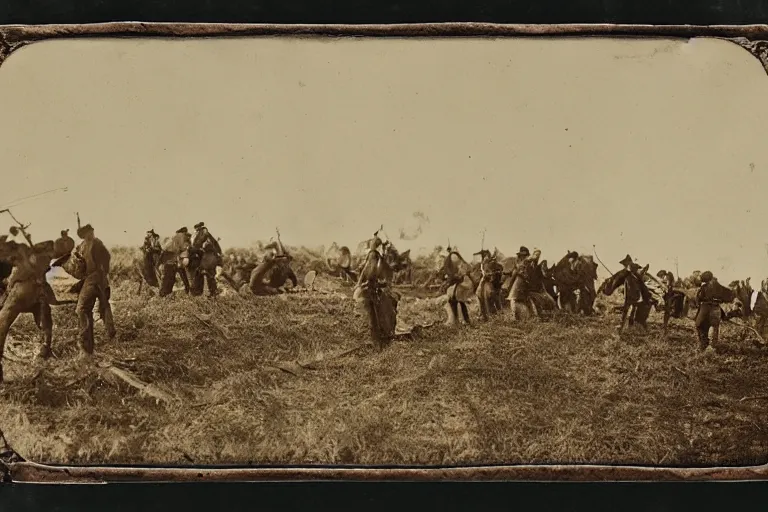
(565,391)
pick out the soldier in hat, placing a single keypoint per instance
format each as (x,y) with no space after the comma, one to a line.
(205,242)
(709,313)
(95,286)
(63,245)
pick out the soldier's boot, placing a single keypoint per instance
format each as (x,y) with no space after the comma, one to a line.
(86,332)
(46,325)
(715,336)
(703,337)
(465,312)
(451,307)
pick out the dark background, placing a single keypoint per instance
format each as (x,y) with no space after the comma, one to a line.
(387,496)
(694,12)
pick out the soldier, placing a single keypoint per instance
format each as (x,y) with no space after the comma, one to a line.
(674,299)
(520,294)
(95,286)
(204,243)
(709,314)
(63,245)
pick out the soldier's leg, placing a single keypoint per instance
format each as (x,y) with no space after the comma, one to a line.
(85,303)
(184,279)
(46,325)
(8,314)
(451,307)
(714,321)
(760,321)
(212,288)
(465,312)
(168,280)
(702,326)
(641,316)
(667,313)
(106,315)
(483,299)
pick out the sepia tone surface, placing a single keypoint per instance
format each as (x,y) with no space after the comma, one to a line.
(640,147)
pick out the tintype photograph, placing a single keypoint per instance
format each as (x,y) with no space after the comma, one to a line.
(402,251)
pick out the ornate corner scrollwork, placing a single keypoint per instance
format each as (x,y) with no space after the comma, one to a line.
(8,45)
(757,47)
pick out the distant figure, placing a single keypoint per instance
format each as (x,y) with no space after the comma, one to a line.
(710,296)
(675,303)
(95,286)
(63,245)
(206,256)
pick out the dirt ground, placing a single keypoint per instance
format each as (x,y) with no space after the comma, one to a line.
(290,379)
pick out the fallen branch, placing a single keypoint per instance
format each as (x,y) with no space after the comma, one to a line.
(210,324)
(758,397)
(133,381)
(681,371)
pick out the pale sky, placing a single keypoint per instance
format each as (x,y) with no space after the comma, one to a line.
(654,148)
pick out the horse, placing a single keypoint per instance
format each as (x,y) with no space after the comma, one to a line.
(380,302)
(637,297)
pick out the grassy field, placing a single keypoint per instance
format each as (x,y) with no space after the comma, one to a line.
(290,379)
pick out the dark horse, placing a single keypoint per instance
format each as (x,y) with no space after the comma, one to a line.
(637,297)
(380,302)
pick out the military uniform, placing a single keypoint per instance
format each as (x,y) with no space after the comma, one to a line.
(95,286)
(63,245)
(203,242)
(709,313)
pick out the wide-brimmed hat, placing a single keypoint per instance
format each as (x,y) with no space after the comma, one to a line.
(200,225)
(83,230)
(182,230)
(627,260)
(523,251)
(152,232)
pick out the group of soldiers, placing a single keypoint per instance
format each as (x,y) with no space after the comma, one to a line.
(195,259)
(532,289)
(173,259)
(25,288)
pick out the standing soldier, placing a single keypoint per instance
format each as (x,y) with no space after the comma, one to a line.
(206,246)
(709,314)
(95,286)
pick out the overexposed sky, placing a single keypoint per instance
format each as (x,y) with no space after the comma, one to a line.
(652,147)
